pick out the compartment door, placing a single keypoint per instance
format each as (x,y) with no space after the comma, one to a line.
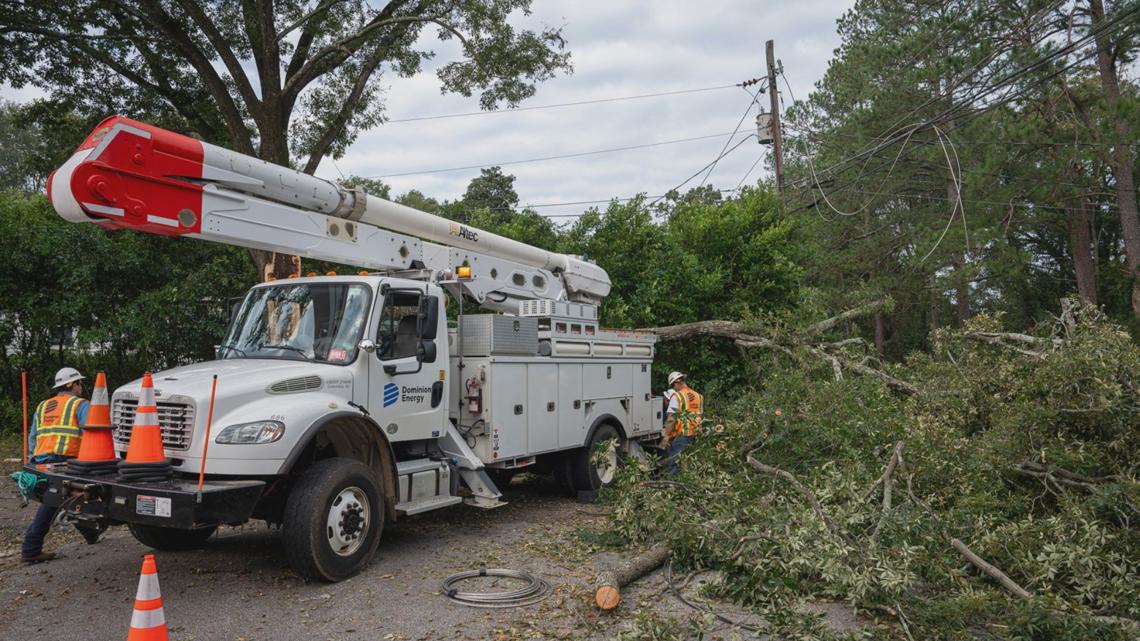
(542,405)
(571,410)
(509,413)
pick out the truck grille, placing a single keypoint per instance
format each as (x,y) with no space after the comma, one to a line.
(175,419)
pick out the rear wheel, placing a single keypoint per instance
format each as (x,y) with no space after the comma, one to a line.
(595,466)
(169,539)
(333,520)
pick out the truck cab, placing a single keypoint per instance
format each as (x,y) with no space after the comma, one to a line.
(298,354)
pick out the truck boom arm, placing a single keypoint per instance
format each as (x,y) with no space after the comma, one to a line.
(131,175)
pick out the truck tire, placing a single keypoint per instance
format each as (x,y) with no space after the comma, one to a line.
(590,473)
(333,520)
(562,466)
(169,539)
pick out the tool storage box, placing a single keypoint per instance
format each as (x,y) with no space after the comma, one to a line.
(494,334)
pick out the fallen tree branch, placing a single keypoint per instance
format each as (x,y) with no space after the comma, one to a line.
(804,491)
(1012,336)
(1047,477)
(896,459)
(721,328)
(851,314)
(980,563)
(745,338)
(607,595)
(1063,473)
(759,341)
(891,464)
(1007,340)
(836,366)
(896,384)
(739,548)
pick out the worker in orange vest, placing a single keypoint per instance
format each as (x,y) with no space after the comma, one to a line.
(683,416)
(57,429)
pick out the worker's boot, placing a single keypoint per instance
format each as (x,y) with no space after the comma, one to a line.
(39,558)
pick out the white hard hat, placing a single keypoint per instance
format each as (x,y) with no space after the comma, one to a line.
(67,376)
(675,376)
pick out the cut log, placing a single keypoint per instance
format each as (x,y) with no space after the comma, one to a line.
(609,584)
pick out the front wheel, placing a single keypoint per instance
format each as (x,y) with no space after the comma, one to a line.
(595,466)
(333,520)
(169,539)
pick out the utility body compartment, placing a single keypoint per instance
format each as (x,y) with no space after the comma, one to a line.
(515,406)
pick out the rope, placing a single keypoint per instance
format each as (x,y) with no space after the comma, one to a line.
(27,482)
(534,591)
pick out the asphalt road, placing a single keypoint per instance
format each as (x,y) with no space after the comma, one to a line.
(240,587)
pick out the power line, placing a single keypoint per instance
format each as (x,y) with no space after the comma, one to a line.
(961,112)
(996,142)
(747,110)
(699,171)
(564,104)
(544,158)
(596,202)
(986,90)
(749,173)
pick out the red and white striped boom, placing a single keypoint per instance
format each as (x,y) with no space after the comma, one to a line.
(130,175)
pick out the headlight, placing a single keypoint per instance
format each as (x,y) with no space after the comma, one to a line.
(251,433)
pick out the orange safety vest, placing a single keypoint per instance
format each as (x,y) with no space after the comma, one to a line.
(58,431)
(690,413)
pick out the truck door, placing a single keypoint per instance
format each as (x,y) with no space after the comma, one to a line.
(407,371)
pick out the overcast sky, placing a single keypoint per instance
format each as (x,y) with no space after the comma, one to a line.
(619,48)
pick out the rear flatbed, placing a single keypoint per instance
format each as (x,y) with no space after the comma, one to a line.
(176,503)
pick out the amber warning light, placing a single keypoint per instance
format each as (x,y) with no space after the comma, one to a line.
(463,272)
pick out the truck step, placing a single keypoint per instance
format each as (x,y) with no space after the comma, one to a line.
(408,508)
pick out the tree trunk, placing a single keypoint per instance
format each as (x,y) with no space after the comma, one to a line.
(1080,244)
(880,333)
(1121,156)
(962,292)
(936,298)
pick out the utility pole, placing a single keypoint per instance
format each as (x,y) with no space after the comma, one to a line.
(774,123)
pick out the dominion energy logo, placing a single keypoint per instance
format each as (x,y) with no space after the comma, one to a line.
(393,393)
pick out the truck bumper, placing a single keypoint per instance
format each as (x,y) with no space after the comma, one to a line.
(173,504)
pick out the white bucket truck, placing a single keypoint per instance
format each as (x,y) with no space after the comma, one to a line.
(346,402)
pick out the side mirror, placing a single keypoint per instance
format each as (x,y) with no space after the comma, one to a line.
(425,352)
(367,344)
(427,317)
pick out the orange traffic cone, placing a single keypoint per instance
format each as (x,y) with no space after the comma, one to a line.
(148,622)
(145,459)
(97,448)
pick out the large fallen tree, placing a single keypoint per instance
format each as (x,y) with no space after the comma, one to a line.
(807,341)
(1002,499)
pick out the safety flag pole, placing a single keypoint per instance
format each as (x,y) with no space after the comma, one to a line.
(206,441)
(24,393)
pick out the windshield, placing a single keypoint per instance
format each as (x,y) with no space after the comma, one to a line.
(312,322)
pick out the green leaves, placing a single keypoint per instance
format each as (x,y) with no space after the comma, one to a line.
(1070,537)
(79,295)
